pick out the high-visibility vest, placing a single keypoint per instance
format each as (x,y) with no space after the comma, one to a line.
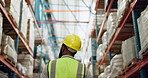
(66,67)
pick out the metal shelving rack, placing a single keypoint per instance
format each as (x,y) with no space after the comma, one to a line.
(141,63)
(13,25)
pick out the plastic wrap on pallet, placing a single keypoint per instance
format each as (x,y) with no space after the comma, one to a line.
(122,8)
(21,68)
(7,40)
(99,52)
(143,27)
(107,71)
(29,70)
(13,6)
(30,34)
(102,75)
(129,50)
(44,33)
(12,55)
(25,59)
(111,25)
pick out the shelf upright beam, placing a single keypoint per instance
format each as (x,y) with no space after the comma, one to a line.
(104,20)
(118,31)
(15,29)
(137,37)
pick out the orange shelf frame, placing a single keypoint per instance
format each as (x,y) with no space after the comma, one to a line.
(2,59)
(121,25)
(135,68)
(104,20)
(15,29)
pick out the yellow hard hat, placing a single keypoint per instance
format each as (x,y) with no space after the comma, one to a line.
(72,41)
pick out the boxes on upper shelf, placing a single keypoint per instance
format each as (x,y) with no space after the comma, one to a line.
(143,28)
(26,60)
(10,53)
(30,34)
(129,50)
(1,23)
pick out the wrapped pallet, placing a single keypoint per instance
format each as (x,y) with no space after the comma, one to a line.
(10,53)
(13,6)
(111,25)
(116,65)
(26,60)
(123,5)
(21,68)
(7,40)
(30,34)
(143,27)
(129,50)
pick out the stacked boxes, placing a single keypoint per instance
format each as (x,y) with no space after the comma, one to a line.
(111,25)
(26,61)
(113,70)
(129,50)
(24,20)
(143,27)
(30,34)
(13,6)
(8,48)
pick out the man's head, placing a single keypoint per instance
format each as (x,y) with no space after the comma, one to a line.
(70,46)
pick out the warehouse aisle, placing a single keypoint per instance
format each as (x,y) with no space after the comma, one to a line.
(113,37)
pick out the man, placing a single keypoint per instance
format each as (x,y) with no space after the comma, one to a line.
(66,66)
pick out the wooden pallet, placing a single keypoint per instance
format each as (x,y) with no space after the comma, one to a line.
(129,66)
(9,60)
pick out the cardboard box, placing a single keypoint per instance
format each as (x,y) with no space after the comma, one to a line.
(7,50)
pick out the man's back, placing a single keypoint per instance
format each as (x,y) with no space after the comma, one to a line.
(66,67)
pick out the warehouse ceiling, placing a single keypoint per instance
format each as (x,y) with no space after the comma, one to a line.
(72,17)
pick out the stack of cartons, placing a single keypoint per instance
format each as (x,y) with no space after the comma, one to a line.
(8,48)
(129,50)
(14,8)
(26,61)
(143,28)
(123,5)
(111,25)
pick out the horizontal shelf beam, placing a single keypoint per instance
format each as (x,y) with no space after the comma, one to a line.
(15,29)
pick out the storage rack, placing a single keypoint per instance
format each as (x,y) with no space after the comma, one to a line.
(15,31)
(134,5)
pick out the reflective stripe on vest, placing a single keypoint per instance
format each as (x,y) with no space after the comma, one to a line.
(55,70)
